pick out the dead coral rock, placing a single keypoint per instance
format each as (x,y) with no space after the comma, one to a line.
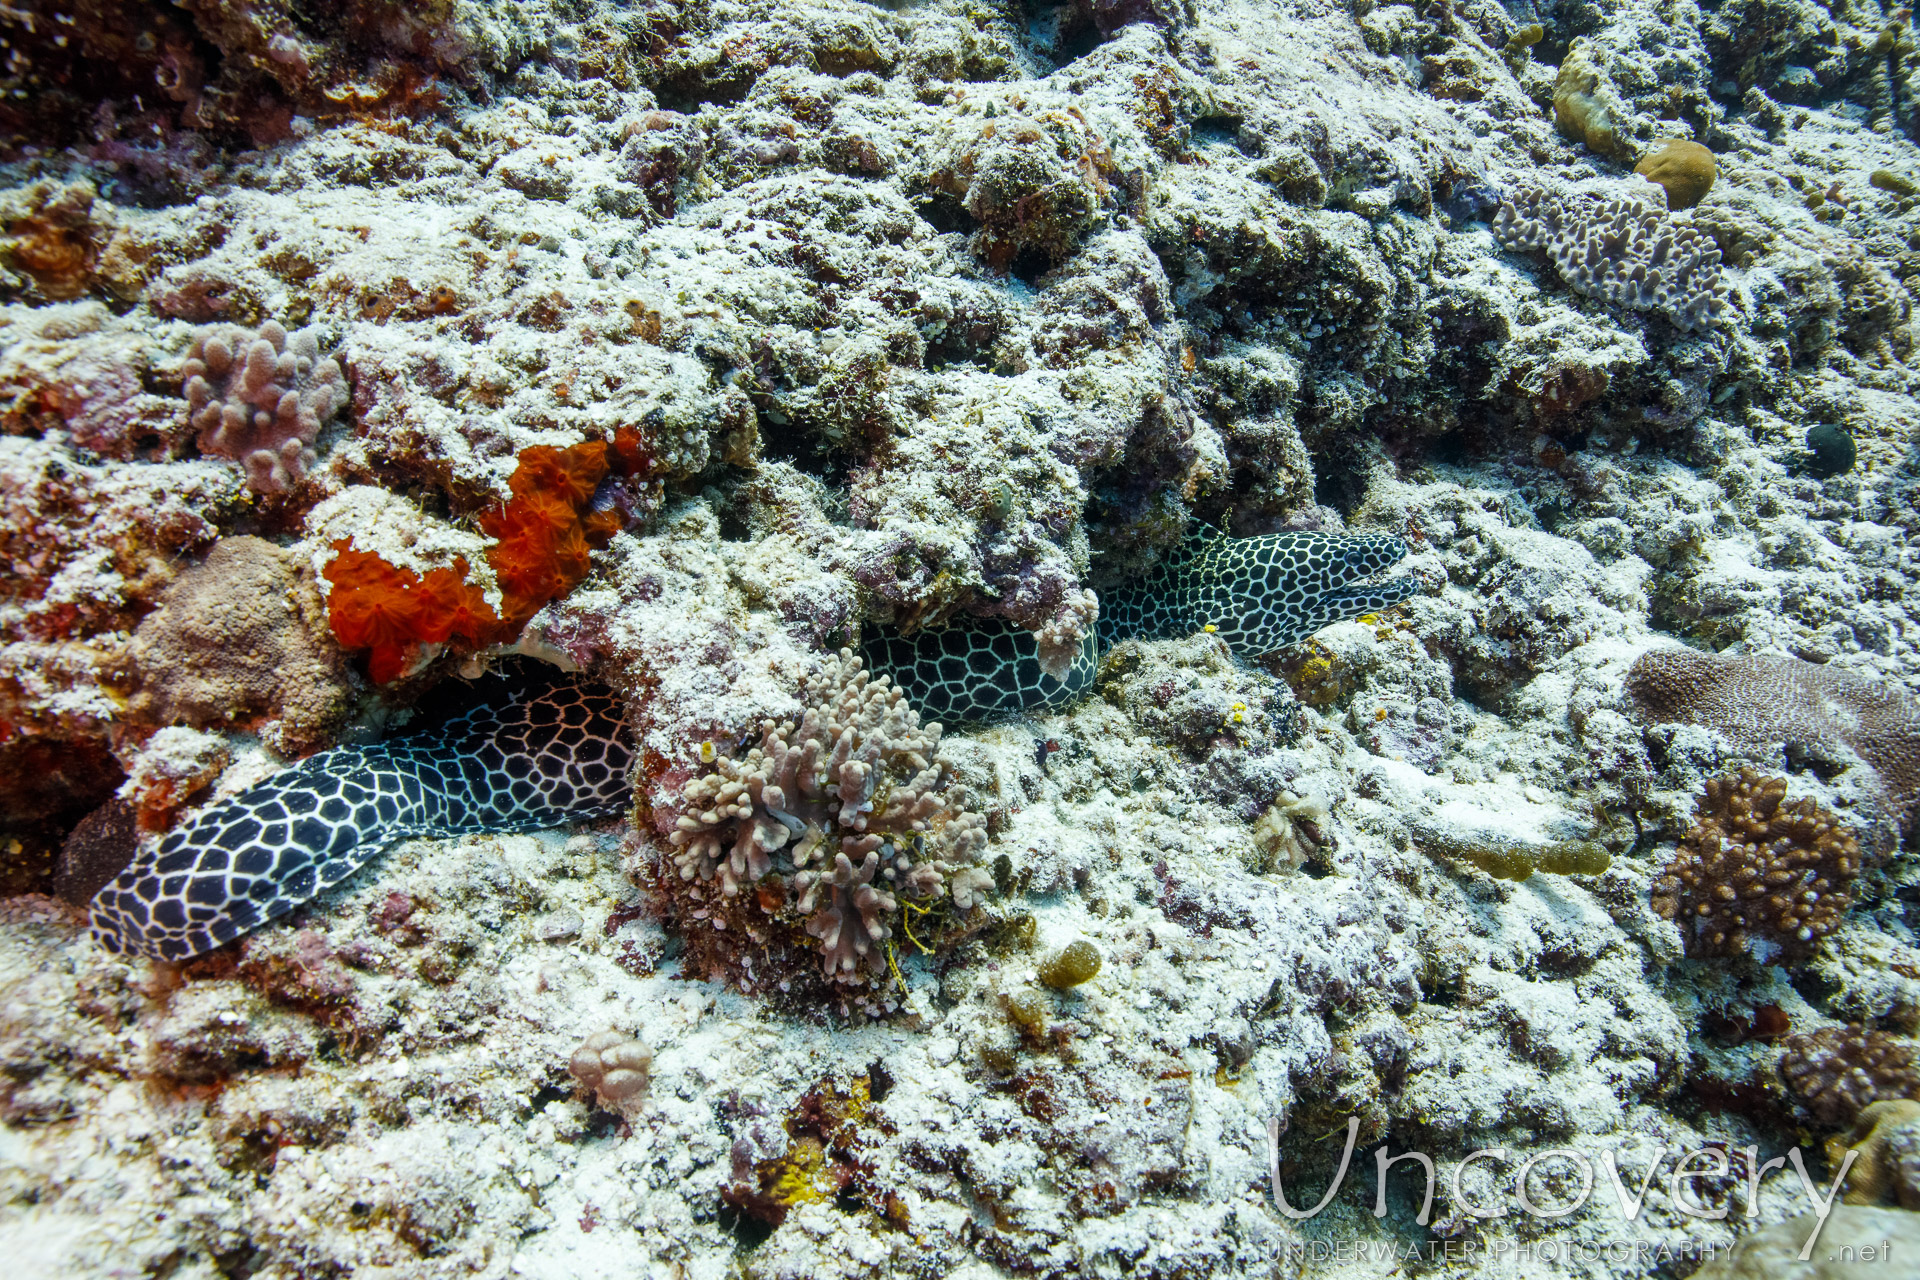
(836,828)
(1762,700)
(54,237)
(73,368)
(1033,184)
(210,1031)
(239,639)
(613,1067)
(175,765)
(1756,875)
(261,398)
(1839,1071)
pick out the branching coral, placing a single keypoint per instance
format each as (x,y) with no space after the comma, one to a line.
(1839,1071)
(1763,700)
(261,398)
(1622,252)
(835,828)
(1758,875)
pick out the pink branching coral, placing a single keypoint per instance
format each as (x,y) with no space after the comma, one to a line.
(835,828)
(261,398)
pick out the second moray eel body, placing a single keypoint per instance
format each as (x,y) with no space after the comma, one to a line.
(1258,594)
(548,753)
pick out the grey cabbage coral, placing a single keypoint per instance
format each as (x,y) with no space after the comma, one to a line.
(835,827)
(1623,252)
(261,398)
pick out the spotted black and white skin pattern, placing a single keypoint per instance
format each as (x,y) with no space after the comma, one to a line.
(984,670)
(1258,594)
(546,754)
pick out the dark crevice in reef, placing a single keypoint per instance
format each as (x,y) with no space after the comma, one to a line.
(1337,483)
(945,214)
(47,786)
(803,448)
(1062,33)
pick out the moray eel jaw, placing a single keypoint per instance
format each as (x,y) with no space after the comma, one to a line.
(548,755)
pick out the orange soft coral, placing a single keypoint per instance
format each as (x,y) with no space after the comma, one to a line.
(388,610)
(540,553)
(540,550)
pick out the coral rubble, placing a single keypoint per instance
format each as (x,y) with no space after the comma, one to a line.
(686,346)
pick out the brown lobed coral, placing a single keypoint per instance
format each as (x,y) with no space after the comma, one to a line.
(261,398)
(1840,1071)
(1684,170)
(239,641)
(1763,700)
(611,1066)
(1757,875)
(825,840)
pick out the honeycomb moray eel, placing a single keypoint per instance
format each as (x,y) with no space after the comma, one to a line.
(547,753)
(1258,594)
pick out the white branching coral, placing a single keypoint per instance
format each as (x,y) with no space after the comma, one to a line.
(839,821)
(261,398)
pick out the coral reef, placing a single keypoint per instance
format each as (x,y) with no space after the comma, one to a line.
(261,398)
(612,1067)
(835,826)
(1839,1071)
(1684,170)
(1758,874)
(1762,700)
(904,316)
(1622,252)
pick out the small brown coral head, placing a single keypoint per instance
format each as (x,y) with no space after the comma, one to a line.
(1839,1071)
(1684,170)
(613,1066)
(1757,875)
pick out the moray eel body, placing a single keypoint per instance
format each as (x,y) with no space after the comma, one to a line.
(548,754)
(1258,594)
